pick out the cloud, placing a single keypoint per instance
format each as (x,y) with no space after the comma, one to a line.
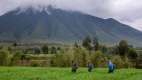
(126,11)
(136,24)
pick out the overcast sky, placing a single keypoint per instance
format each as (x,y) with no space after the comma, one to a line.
(126,11)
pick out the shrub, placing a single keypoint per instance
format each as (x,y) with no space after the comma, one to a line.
(86,43)
(16,58)
(126,62)
(132,53)
(34,64)
(45,49)
(53,50)
(80,56)
(62,59)
(98,59)
(4,57)
(117,61)
(120,62)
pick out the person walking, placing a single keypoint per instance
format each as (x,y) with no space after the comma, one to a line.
(110,67)
(90,67)
(74,66)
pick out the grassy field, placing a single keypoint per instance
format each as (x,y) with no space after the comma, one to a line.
(29,73)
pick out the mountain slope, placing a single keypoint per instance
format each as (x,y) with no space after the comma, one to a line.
(64,26)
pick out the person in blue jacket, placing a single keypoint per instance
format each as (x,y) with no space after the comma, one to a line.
(110,67)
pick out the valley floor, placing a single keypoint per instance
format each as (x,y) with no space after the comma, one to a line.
(38,73)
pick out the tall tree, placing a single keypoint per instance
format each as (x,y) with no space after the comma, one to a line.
(45,49)
(76,45)
(132,53)
(95,44)
(4,57)
(123,47)
(53,50)
(87,43)
(15,44)
(16,58)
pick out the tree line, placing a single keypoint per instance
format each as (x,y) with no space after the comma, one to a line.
(90,50)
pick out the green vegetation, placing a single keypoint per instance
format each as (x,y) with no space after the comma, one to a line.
(25,45)
(24,73)
(90,50)
(4,57)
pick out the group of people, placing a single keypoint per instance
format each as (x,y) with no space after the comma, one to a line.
(90,66)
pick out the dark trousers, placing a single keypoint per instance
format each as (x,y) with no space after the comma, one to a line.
(110,71)
(89,69)
(74,70)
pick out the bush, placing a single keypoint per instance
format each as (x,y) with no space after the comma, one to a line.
(4,57)
(98,59)
(53,50)
(117,61)
(132,53)
(81,56)
(16,58)
(34,64)
(45,49)
(126,62)
(120,62)
(62,59)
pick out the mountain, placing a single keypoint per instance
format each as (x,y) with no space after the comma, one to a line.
(57,25)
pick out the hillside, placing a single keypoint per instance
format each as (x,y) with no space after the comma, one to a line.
(63,26)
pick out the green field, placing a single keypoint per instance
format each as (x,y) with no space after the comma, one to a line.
(29,73)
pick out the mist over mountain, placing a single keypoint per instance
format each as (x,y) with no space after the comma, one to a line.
(56,25)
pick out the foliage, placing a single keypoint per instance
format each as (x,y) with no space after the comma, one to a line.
(123,47)
(53,50)
(37,50)
(132,53)
(96,44)
(81,56)
(120,62)
(34,64)
(103,49)
(45,49)
(15,44)
(98,59)
(76,45)
(62,56)
(18,58)
(87,43)
(4,57)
